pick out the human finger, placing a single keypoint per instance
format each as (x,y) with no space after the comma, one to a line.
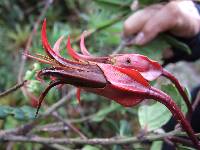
(165,19)
(136,21)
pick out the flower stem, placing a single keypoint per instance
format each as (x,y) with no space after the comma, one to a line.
(174,80)
(171,105)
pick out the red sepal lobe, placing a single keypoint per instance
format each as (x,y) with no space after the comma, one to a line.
(149,69)
(82,46)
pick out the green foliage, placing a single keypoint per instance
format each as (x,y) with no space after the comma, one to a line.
(105,111)
(125,129)
(177,44)
(113,6)
(148,2)
(19,36)
(10,122)
(154,116)
(153,49)
(117,3)
(19,113)
(89,147)
(30,74)
(157,145)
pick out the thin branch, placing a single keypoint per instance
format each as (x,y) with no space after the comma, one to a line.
(71,126)
(52,127)
(181,140)
(76,120)
(13,89)
(101,141)
(25,129)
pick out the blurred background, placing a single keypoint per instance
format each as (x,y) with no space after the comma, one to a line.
(96,117)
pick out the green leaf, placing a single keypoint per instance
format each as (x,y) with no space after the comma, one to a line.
(177,44)
(33,86)
(28,111)
(19,36)
(4,111)
(154,49)
(118,3)
(100,115)
(154,116)
(113,6)
(148,2)
(10,123)
(30,74)
(89,147)
(157,145)
(125,128)
(117,147)
(181,147)
(20,113)
(36,66)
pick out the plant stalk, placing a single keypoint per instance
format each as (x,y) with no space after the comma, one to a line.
(174,80)
(178,115)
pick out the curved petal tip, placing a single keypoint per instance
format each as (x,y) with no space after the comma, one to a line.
(82,45)
(45,42)
(56,46)
(71,51)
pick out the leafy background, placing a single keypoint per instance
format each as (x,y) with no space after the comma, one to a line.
(97,116)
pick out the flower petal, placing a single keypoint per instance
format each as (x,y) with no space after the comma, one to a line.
(82,45)
(50,52)
(56,46)
(79,57)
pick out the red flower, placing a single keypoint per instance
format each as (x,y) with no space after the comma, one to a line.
(127,86)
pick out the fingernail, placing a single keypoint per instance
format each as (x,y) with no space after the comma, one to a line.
(139,38)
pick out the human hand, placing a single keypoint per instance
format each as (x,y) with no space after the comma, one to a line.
(180,18)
